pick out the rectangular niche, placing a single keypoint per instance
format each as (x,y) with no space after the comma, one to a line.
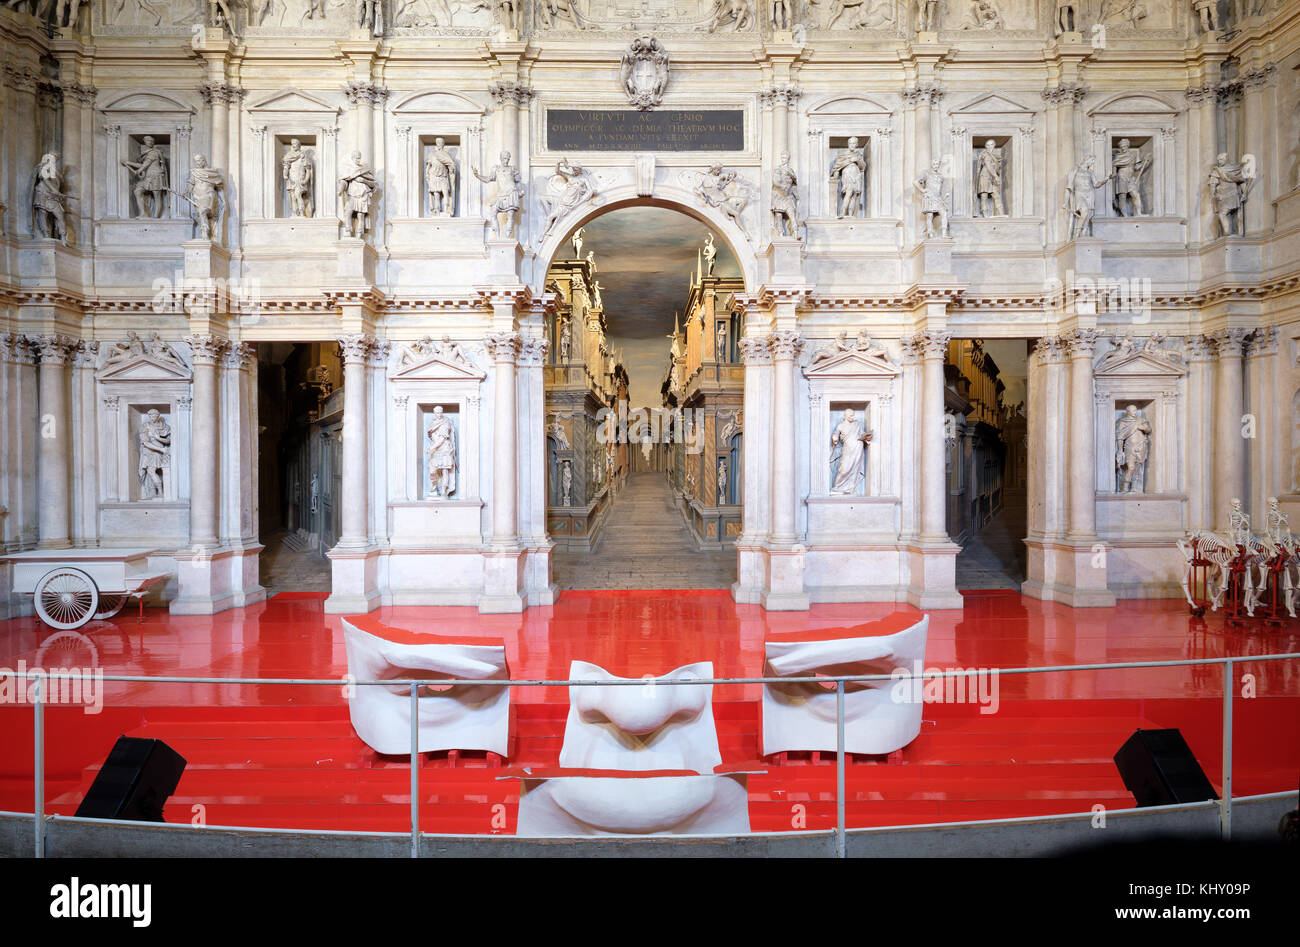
(426,414)
(135,151)
(427,148)
(838,145)
(1003,146)
(856,483)
(1144,146)
(150,455)
(1147,478)
(310,165)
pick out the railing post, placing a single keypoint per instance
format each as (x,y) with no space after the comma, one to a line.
(415,771)
(38,769)
(1225,804)
(839,769)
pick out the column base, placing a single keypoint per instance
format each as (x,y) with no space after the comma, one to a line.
(212,579)
(780,574)
(354,579)
(933,576)
(537,570)
(1072,573)
(503,582)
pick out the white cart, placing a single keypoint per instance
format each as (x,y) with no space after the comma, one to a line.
(71,586)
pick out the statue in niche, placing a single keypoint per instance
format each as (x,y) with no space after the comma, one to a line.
(848,175)
(932,188)
(1127,168)
(1230,186)
(566,483)
(724,190)
(720,342)
(315,493)
(551,11)
(155,454)
(1132,445)
(1208,13)
(566,340)
(710,255)
(359,188)
(848,453)
(440,452)
(988,181)
(1066,19)
(206,195)
(983,15)
(782,14)
(1121,11)
(785,202)
(734,11)
(927,15)
(49,200)
(556,430)
(508,196)
(299,172)
(722,481)
(575,186)
(150,172)
(577,242)
(644,72)
(440,180)
(1079,188)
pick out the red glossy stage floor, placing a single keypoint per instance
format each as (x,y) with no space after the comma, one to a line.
(286,756)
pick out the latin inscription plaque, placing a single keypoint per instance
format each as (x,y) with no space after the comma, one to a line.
(631,130)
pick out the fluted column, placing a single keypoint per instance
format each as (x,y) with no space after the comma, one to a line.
(1229,447)
(508,97)
(1081,345)
(780,100)
(934,500)
(505,348)
(356,478)
(364,97)
(216,95)
(54,441)
(785,346)
(205,460)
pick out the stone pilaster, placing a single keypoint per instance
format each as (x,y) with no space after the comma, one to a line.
(1229,444)
(55,442)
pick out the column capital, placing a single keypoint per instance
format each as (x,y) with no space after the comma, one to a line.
(1263,342)
(933,343)
(220,93)
(1081,343)
(1258,78)
(504,346)
(16,348)
(1202,95)
(755,351)
(1229,343)
(1199,348)
(1067,93)
(86,354)
(928,94)
(206,349)
(52,349)
(533,351)
(356,348)
(511,93)
(785,345)
(379,353)
(238,355)
(785,96)
(365,93)
(81,94)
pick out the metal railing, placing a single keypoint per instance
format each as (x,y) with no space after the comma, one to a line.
(414,684)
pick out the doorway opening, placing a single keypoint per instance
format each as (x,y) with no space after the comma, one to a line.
(644,403)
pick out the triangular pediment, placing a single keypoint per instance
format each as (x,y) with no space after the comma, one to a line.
(144,368)
(1140,363)
(437,367)
(851,363)
(991,103)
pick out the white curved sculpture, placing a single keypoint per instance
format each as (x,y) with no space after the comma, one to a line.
(640,759)
(801,717)
(457,717)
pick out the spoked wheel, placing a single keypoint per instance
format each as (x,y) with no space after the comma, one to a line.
(110,603)
(66,598)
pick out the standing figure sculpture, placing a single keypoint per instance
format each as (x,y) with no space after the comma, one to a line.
(49,200)
(508,196)
(1132,446)
(1066,20)
(848,453)
(1229,189)
(988,185)
(848,175)
(207,198)
(155,454)
(359,189)
(710,255)
(1208,12)
(440,454)
(720,342)
(566,340)
(566,483)
(926,15)
(934,200)
(299,173)
(440,180)
(1079,188)
(150,171)
(1127,168)
(785,202)
(722,482)
(577,242)
(782,14)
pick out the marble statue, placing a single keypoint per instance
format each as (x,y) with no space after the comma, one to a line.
(220,14)
(847,176)
(591,261)
(577,242)
(155,454)
(1132,446)
(848,451)
(988,183)
(1066,19)
(1208,13)
(556,430)
(440,180)
(299,172)
(566,340)
(1230,186)
(866,346)
(1132,12)
(595,293)
(550,12)
(508,196)
(315,492)
(1127,168)
(441,455)
(508,14)
(867,14)
(133,347)
(724,190)
(644,72)
(832,350)
(359,189)
(566,483)
(150,172)
(781,14)
(735,12)
(575,186)
(934,200)
(722,481)
(49,200)
(785,202)
(720,342)
(710,254)
(1079,189)
(983,16)
(927,15)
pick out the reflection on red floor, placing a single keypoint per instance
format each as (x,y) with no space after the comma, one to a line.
(285,755)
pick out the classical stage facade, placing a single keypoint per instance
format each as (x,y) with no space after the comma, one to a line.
(361,218)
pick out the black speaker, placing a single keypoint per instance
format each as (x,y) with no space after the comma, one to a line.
(134,782)
(1158,768)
